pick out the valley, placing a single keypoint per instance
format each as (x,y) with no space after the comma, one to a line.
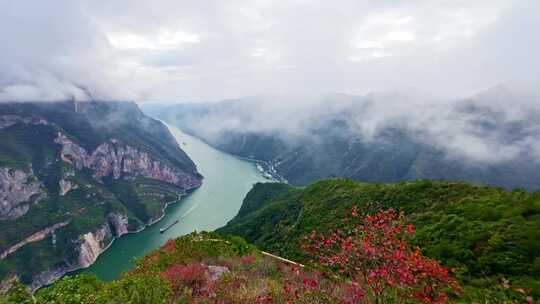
(472,139)
(269,152)
(484,237)
(226,181)
(76,176)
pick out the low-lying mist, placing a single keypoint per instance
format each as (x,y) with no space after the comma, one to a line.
(496,125)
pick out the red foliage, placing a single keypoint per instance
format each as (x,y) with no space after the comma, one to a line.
(170,246)
(375,256)
(248,259)
(354,294)
(193,276)
(299,284)
(264,300)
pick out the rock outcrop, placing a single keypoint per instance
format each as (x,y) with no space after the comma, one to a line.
(18,190)
(119,223)
(38,236)
(10,120)
(103,142)
(93,244)
(216,272)
(113,159)
(66,186)
(48,277)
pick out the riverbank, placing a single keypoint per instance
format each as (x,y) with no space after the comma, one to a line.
(268,168)
(48,278)
(227,179)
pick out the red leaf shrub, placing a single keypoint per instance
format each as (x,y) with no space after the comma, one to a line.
(170,246)
(376,257)
(248,259)
(193,276)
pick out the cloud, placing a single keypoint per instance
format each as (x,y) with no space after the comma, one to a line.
(496,126)
(51,50)
(191,51)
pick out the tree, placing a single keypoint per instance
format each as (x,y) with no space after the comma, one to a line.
(375,256)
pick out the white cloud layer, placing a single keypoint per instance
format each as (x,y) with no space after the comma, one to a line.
(171,50)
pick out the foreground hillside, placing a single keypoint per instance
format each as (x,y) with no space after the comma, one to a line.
(209,268)
(338,241)
(486,235)
(76,175)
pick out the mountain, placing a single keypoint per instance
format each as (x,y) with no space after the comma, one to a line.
(380,137)
(483,233)
(339,241)
(76,175)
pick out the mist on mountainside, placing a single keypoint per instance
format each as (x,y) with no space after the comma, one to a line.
(385,136)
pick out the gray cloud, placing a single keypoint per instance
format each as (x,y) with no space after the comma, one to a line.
(498,125)
(51,50)
(293,52)
(208,50)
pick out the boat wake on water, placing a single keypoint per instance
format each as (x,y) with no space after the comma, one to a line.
(193,208)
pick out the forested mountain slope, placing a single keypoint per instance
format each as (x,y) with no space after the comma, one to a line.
(411,242)
(484,234)
(76,175)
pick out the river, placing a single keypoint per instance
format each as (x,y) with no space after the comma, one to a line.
(227,179)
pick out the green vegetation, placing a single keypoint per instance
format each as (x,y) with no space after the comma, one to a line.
(29,145)
(145,284)
(485,234)
(210,268)
(487,237)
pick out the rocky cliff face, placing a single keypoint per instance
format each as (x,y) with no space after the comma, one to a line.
(62,164)
(119,222)
(112,158)
(10,120)
(93,244)
(17,191)
(66,186)
(38,236)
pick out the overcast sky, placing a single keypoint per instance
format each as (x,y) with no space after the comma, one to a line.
(173,50)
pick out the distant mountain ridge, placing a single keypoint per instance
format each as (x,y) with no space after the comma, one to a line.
(76,175)
(382,137)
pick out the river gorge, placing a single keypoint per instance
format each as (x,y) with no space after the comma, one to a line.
(227,179)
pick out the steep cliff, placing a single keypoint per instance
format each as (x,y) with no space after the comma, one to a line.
(75,176)
(18,190)
(92,244)
(113,158)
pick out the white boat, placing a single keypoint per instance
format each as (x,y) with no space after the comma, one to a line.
(168,227)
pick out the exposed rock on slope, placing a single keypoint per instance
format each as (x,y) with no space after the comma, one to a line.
(75,176)
(10,120)
(111,158)
(38,236)
(66,186)
(92,245)
(17,190)
(119,222)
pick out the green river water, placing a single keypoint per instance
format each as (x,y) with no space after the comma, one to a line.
(227,179)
